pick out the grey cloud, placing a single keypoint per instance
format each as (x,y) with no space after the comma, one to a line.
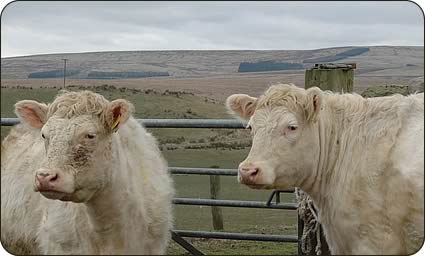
(47,27)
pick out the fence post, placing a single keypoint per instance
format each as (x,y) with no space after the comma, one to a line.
(332,77)
(336,78)
(217,215)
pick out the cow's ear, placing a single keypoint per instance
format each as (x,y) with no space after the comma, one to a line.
(121,110)
(313,103)
(241,105)
(32,113)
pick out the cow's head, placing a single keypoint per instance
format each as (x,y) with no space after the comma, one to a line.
(284,147)
(77,132)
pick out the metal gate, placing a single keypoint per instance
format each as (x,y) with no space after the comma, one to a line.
(178,235)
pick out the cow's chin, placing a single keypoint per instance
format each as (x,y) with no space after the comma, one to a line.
(78,196)
(257,186)
(259,183)
(54,195)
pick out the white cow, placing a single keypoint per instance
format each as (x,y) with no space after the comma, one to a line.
(361,161)
(102,186)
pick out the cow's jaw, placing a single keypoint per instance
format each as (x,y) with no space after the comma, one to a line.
(254,185)
(51,194)
(78,196)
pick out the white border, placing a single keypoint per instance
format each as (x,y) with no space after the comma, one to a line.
(421,3)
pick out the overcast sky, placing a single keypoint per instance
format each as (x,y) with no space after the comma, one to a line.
(29,28)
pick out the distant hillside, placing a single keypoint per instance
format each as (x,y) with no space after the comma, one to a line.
(136,64)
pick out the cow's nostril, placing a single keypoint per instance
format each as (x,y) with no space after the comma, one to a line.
(47,177)
(250,171)
(54,177)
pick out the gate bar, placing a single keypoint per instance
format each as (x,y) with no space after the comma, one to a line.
(234,203)
(238,236)
(277,193)
(203,171)
(169,123)
(185,244)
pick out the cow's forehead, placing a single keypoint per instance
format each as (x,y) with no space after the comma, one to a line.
(271,115)
(282,98)
(262,116)
(76,122)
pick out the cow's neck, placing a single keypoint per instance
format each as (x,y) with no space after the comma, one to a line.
(104,216)
(328,131)
(102,210)
(105,208)
(330,128)
(112,208)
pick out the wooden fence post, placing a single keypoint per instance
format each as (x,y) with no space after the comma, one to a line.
(336,78)
(332,77)
(217,215)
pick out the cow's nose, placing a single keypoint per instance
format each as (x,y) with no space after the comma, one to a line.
(45,180)
(248,174)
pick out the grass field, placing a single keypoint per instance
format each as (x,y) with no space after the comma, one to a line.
(155,104)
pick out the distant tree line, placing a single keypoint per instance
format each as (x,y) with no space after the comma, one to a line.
(123,75)
(338,56)
(52,73)
(97,74)
(267,66)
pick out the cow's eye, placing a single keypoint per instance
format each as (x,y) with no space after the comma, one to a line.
(90,136)
(42,135)
(292,127)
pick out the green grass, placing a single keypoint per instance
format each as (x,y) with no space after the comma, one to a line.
(152,105)
(205,157)
(267,221)
(232,247)
(386,90)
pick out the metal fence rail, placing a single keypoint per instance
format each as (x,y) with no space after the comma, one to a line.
(238,236)
(177,235)
(169,123)
(235,203)
(9,121)
(203,171)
